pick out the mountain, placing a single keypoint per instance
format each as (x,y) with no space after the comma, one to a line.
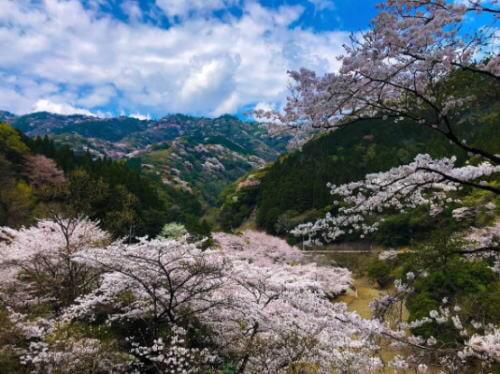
(6,116)
(105,129)
(200,155)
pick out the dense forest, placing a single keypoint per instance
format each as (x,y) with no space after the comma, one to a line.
(41,179)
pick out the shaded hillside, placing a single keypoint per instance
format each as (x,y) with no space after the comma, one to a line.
(294,189)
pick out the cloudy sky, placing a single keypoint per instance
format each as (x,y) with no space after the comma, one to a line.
(153,57)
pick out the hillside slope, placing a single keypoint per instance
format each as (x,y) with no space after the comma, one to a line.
(294,188)
(39,179)
(200,155)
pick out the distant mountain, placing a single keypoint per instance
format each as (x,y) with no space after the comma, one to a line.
(6,116)
(201,155)
(43,123)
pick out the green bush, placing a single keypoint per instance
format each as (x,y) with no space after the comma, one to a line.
(380,271)
(468,284)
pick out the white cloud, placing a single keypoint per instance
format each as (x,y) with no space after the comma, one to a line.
(265,106)
(183,8)
(132,9)
(60,52)
(59,108)
(141,117)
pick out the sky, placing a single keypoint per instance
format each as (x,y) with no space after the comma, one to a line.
(149,58)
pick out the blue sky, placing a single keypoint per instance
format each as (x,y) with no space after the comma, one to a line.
(148,58)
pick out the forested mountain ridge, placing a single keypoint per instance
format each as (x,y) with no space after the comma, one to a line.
(201,155)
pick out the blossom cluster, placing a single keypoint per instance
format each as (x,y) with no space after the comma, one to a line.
(261,307)
(424,182)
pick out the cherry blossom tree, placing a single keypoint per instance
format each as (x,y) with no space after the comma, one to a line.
(73,355)
(396,70)
(263,314)
(399,70)
(43,172)
(168,280)
(36,265)
(252,301)
(173,356)
(424,182)
(264,250)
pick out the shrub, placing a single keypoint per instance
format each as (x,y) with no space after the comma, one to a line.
(380,271)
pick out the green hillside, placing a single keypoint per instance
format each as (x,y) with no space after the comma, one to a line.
(125,200)
(294,189)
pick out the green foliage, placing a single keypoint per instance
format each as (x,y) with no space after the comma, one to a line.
(463,282)
(238,204)
(20,203)
(9,336)
(125,201)
(173,231)
(82,330)
(380,271)
(16,195)
(227,369)
(447,275)
(11,143)
(416,224)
